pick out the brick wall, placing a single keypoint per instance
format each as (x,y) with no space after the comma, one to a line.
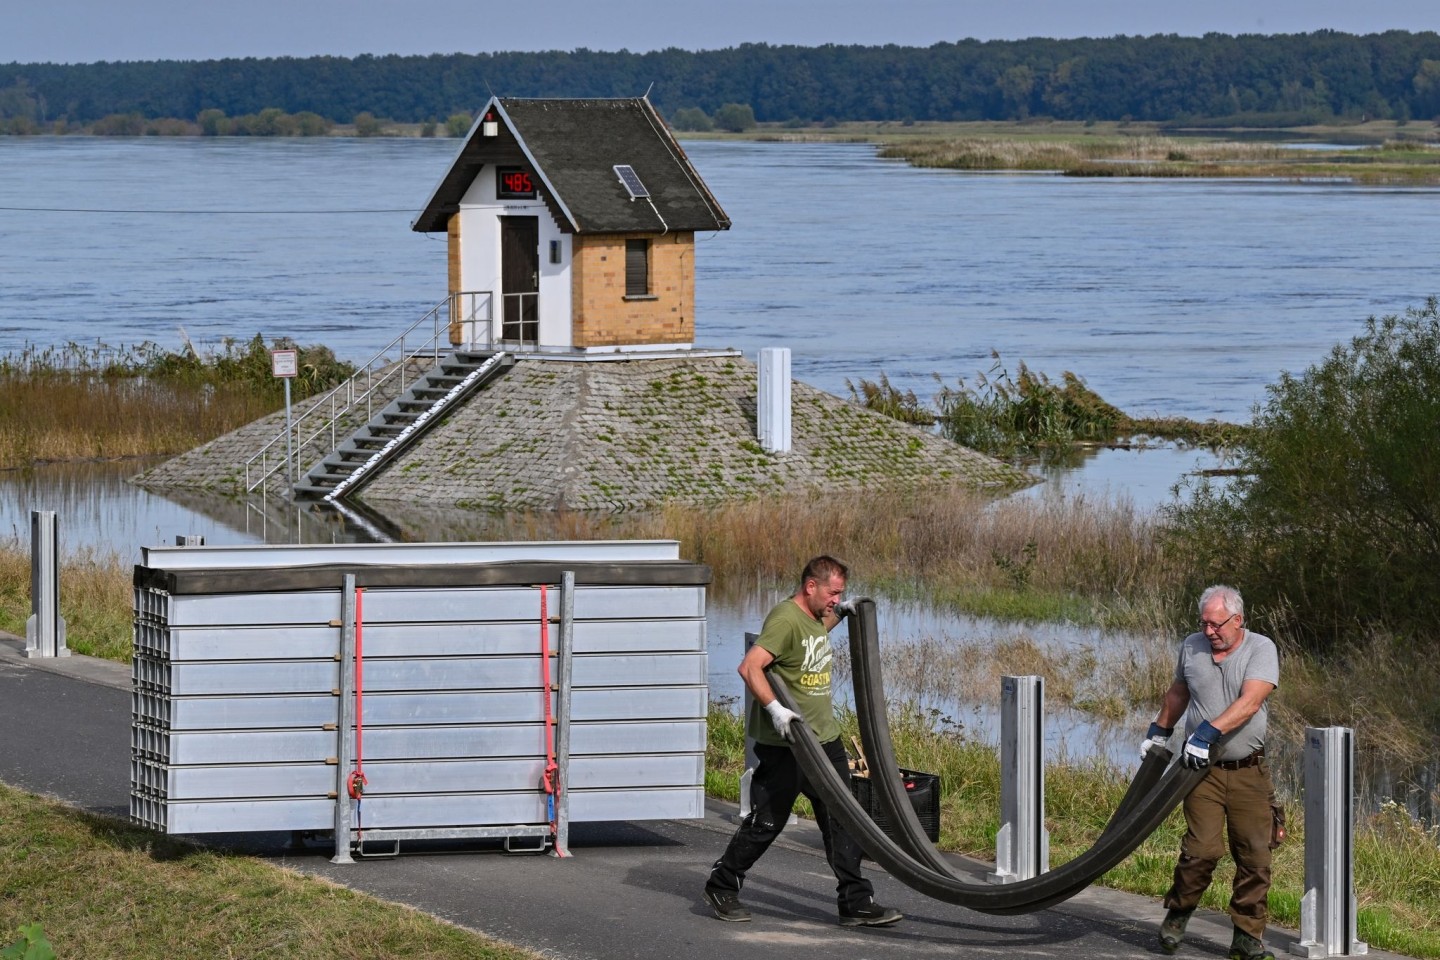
(603,316)
(452,267)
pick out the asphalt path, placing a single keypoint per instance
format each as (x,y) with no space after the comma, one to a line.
(630,890)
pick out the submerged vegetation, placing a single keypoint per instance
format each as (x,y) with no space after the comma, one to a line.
(80,402)
(1029,413)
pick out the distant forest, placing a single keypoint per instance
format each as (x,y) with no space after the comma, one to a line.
(1300,77)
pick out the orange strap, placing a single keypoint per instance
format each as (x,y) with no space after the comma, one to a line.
(356,782)
(549,781)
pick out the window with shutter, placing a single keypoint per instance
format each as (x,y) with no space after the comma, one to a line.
(637,268)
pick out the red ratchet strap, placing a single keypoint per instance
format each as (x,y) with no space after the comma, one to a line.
(356,782)
(549,781)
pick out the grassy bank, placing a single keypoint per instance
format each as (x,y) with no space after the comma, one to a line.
(100,888)
(1397,861)
(1395,161)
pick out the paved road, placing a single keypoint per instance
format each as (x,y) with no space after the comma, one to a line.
(631,890)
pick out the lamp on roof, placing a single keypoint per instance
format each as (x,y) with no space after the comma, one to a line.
(489,127)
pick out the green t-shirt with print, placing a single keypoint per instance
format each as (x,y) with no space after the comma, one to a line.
(801,648)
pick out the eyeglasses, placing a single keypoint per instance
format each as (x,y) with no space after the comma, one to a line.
(1207,625)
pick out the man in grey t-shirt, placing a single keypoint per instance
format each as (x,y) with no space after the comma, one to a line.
(1222,678)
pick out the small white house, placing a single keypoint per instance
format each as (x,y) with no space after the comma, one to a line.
(571,228)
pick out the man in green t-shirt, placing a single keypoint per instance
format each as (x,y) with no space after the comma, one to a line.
(795,644)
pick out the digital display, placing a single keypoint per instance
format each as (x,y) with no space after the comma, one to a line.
(514,183)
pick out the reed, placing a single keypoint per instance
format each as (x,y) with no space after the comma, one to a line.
(96,402)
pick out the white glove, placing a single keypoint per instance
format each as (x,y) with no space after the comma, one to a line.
(781,717)
(1156,736)
(1197,748)
(846,608)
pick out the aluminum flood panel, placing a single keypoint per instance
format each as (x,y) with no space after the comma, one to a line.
(452,639)
(397,743)
(238,691)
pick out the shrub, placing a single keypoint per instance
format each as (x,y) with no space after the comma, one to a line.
(1333,526)
(735,117)
(457,124)
(692,119)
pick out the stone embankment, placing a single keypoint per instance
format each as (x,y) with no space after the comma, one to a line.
(626,434)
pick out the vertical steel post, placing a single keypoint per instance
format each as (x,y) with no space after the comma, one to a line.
(772,403)
(1327,910)
(1022,847)
(345,715)
(564,662)
(45,630)
(289,436)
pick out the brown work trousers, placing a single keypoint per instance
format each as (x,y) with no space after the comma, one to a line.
(1240,801)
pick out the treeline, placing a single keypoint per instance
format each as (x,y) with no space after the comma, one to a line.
(1167,78)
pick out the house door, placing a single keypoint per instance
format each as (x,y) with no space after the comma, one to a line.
(520,279)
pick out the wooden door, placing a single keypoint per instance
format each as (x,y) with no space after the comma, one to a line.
(520,279)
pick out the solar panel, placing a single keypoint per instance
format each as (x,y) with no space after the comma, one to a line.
(627,176)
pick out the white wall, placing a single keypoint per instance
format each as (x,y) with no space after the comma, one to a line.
(480,255)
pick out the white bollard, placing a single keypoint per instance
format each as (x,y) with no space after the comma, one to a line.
(45,630)
(772,403)
(1022,847)
(1327,910)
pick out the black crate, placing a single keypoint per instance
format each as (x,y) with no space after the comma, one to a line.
(924,792)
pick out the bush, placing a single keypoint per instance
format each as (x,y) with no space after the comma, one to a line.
(692,119)
(1333,528)
(735,117)
(457,124)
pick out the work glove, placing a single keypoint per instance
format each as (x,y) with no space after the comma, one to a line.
(846,608)
(1156,736)
(1197,748)
(781,717)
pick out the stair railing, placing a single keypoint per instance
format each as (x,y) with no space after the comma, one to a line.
(391,365)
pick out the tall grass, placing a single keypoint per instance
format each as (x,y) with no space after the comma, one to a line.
(96,600)
(95,402)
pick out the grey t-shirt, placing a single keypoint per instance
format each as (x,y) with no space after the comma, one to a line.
(1214,686)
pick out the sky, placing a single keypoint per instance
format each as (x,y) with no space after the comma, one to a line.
(84,31)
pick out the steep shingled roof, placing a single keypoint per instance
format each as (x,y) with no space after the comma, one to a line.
(573,147)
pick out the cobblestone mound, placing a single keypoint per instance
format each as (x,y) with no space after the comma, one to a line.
(630,434)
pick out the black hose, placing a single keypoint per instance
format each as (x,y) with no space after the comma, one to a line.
(1124,835)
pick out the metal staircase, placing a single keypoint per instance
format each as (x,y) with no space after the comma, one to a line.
(408,416)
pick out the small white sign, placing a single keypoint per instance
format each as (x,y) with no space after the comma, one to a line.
(284,363)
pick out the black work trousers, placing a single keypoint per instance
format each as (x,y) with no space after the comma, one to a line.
(773,788)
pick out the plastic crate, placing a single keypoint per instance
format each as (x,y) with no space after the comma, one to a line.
(924,792)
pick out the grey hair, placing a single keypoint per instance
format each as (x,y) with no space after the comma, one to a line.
(1234,604)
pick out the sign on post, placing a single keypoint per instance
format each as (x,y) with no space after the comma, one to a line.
(286,364)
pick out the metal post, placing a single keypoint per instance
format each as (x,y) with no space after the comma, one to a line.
(1327,910)
(289,434)
(564,662)
(45,630)
(346,716)
(193,539)
(1022,847)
